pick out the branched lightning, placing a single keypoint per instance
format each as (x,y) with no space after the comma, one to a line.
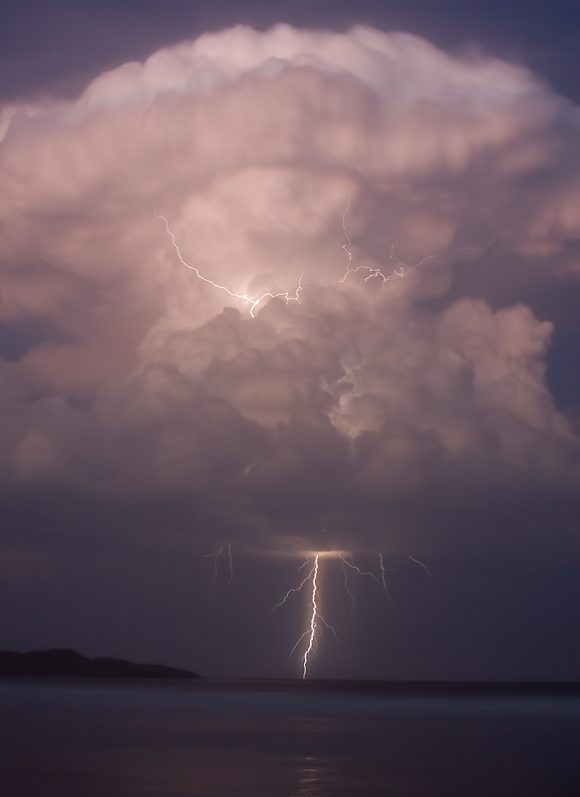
(358,571)
(225,550)
(398,269)
(349,592)
(383,572)
(372,272)
(327,625)
(313,618)
(380,584)
(428,570)
(293,590)
(316,617)
(253,302)
(250,468)
(303,565)
(230,564)
(215,556)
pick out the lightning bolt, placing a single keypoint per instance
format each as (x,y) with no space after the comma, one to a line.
(349,592)
(372,272)
(383,572)
(313,617)
(294,590)
(230,564)
(311,581)
(316,618)
(358,571)
(253,302)
(215,556)
(251,467)
(428,570)
(399,269)
(380,584)
(225,550)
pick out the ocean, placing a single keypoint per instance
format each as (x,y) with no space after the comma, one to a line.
(67,738)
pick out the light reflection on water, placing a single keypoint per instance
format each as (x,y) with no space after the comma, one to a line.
(314,777)
(205,740)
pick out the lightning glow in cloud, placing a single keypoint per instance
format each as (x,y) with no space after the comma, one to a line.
(252,302)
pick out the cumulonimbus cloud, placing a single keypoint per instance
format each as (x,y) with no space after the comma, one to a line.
(357,173)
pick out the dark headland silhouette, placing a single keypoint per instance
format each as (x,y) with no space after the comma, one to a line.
(70,664)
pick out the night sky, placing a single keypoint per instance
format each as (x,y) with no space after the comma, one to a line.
(285,279)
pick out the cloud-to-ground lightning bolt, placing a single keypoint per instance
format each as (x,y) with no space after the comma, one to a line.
(311,581)
(313,618)
(253,302)
(316,617)
(398,270)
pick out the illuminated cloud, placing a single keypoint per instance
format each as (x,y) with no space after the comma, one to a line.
(317,423)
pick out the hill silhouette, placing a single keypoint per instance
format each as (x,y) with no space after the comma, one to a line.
(69,663)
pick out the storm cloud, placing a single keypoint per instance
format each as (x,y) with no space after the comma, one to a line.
(393,396)
(366,393)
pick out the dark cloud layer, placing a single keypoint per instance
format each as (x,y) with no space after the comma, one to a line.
(416,216)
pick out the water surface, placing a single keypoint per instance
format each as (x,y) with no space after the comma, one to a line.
(224,739)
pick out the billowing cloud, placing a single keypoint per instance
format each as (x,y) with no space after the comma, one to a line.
(358,177)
